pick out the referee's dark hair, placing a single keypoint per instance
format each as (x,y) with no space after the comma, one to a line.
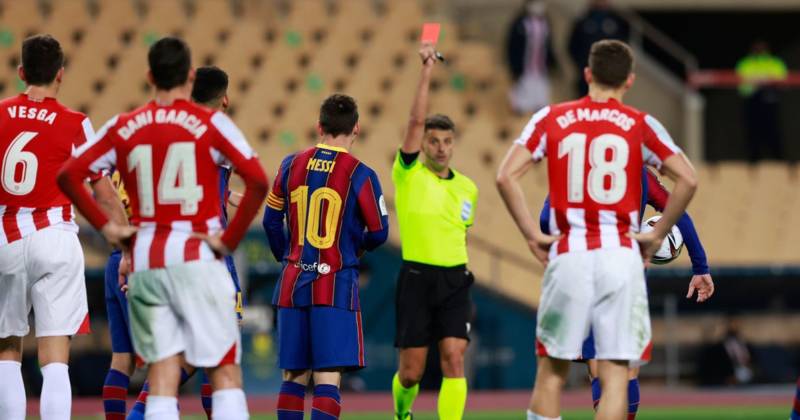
(210,86)
(439,122)
(170,61)
(338,115)
(611,62)
(42,58)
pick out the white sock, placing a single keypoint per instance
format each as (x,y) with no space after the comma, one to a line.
(161,408)
(56,399)
(534,416)
(12,391)
(229,404)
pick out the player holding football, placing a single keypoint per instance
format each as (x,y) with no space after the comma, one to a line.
(656,195)
(595,274)
(41,259)
(334,208)
(181,306)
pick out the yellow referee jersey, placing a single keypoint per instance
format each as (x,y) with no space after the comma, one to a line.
(433,213)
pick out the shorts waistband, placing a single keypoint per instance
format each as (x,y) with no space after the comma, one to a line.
(421,266)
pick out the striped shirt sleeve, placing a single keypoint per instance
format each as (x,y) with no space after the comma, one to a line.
(534,135)
(658,144)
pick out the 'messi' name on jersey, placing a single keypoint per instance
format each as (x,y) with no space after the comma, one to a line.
(320,165)
(188,121)
(614,116)
(30,113)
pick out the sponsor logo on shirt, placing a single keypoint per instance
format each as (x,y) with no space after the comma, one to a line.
(321,268)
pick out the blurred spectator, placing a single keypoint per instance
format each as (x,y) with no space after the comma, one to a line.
(757,70)
(529,52)
(599,22)
(727,361)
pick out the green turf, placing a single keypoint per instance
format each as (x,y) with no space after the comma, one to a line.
(683,413)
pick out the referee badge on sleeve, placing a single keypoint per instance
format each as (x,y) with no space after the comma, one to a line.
(466,210)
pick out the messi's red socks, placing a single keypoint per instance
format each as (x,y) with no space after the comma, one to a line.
(327,403)
(205,393)
(291,401)
(115,393)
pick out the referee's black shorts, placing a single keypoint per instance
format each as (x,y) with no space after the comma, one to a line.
(432,303)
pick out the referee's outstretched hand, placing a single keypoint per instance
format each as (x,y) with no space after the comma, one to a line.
(428,54)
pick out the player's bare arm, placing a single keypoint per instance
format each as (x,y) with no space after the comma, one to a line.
(108,199)
(678,169)
(416,121)
(514,166)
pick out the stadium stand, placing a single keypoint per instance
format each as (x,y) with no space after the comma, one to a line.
(284,57)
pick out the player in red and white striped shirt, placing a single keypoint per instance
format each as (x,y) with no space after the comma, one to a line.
(181,297)
(596,147)
(41,260)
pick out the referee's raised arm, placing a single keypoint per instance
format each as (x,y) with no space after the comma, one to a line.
(435,207)
(416,121)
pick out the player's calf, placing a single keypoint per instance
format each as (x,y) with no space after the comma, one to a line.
(614,382)
(551,376)
(228,398)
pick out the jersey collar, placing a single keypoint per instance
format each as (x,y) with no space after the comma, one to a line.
(334,148)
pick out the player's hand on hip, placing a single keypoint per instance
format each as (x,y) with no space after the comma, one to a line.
(428,54)
(117,235)
(703,284)
(123,271)
(540,247)
(649,242)
(214,242)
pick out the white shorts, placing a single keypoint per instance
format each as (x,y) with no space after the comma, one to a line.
(187,308)
(43,271)
(603,289)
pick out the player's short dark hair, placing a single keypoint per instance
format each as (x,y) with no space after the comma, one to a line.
(338,115)
(611,62)
(210,84)
(439,122)
(170,60)
(42,58)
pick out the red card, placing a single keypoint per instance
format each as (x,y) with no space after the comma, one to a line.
(430,32)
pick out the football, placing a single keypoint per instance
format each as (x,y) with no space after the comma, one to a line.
(671,247)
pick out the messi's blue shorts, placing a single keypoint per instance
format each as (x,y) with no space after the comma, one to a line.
(117,307)
(320,337)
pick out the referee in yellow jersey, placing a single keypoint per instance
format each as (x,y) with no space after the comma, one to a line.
(435,206)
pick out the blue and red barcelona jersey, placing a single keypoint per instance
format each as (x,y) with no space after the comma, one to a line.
(334,208)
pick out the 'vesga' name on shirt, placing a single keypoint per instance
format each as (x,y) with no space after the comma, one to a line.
(320,165)
(614,116)
(30,113)
(187,121)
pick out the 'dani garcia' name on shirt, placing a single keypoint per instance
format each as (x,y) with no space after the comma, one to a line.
(30,113)
(187,121)
(615,116)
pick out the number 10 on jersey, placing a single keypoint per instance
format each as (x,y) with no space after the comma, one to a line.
(309,215)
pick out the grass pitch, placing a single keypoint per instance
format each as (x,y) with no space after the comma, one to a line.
(651,413)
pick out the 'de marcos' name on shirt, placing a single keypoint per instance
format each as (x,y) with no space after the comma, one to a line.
(187,121)
(614,116)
